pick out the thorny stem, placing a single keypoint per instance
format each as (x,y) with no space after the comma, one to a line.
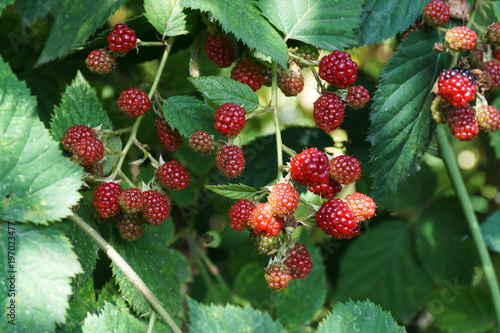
(147,154)
(318,80)
(127,270)
(125,178)
(213,269)
(274,106)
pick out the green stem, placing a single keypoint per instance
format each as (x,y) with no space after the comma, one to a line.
(274,106)
(127,270)
(463,196)
(152,320)
(211,267)
(126,179)
(151,44)
(147,154)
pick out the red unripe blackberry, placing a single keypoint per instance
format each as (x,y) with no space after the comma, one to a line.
(230,119)
(462,122)
(106,199)
(283,199)
(328,112)
(439,109)
(201,142)
(100,61)
(495,52)
(291,83)
(220,49)
(156,207)
(327,190)
(263,222)
(230,160)
(493,34)
(121,39)
(436,13)
(362,205)
(265,244)
(73,135)
(335,218)
(492,68)
(345,169)
(299,261)
(488,118)
(458,87)
(308,52)
(278,276)
(131,200)
(460,38)
(310,167)
(239,213)
(173,175)
(358,96)
(170,138)
(133,102)
(88,150)
(130,226)
(476,56)
(249,72)
(338,69)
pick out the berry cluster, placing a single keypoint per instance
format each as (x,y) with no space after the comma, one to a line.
(84,144)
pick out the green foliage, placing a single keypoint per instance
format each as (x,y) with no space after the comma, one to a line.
(80,304)
(234,191)
(188,115)
(168,17)
(491,231)
(33,10)
(111,319)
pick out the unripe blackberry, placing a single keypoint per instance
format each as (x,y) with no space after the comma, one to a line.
(327,190)
(283,199)
(338,69)
(170,138)
(436,13)
(133,102)
(457,86)
(357,97)
(230,160)
(156,207)
(488,118)
(310,167)
(460,38)
(328,112)
(345,169)
(73,135)
(100,61)
(492,68)
(299,261)
(336,218)
(493,34)
(239,214)
(439,110)
(308,52)
(173,175)
(130,226)
(290,83)
(265,244)
(278,276)
(362,205)
(201,142)
(219,49)
(230,119)
(106,199)
(88,150)
(121,39)
(131,200)
(249,72)
(263,222)
(462,122)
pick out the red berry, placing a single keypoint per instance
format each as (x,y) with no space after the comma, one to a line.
(88,150)
(488,118)
(156,207)
(239,213)
(460,38)
(219,49)
(328,112)
(345,169)
(171,139)
(492,68)
(201,142)
(283,199)
(121,39)
(358,96)
(173,175)
(457,86)
(290,83)
(230,160)
(299,260)
(362,205)
(230,119)
(133,102)
(130,226)
(327,190)
(73,135)
(263,222)
(493,34)
(131,200)
(335,218)
(310,167)
(278,276)
(338,69)
(462,122)
(436,13)
(249,72)
(100,61)
(106,199)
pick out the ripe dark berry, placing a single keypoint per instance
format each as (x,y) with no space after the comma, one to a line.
(106,199)
(492,68)
(131,200)
(436,13)
(310,167)
(488,118)
(335,218)
(201,142)
(493,34)
(230,160)
(283,199)
(100,61)
(327,190)
(439,110)
(290,83)
(308,52)
(133,102)
(299,261)
(239,213)
(121,39)
(88,150)
(230,119)
(456,87)
(357,97)
(130,226)
(338,69)
(249,72)
(362,205)
(170,138)
(345,169)
(173,175)
(73,135)
(462,122)
(460,38)
(156,207)
(328,112)
(220,49)
(265,244)
(278,276)
(263,222)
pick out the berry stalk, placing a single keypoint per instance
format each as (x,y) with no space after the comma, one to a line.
(459,185)
(274,107)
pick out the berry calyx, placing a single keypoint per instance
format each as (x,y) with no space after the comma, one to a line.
(239,214)
(493,34)
(131,200)
(156,207)
(488,118)
(345,169)
(73,135)
(338,69)
(100,61)
(310,167)
(436,13)
(327,190)
(335,218)
(460,38)
(266,244)
(462,122)
(299,261)
(106,199)
(201,142)
(362,205)
(283,199)
(219,49)
(492,68)
(130,226)
(230,160)
(249,72)
(88,150)
(263,222)
(457,86)
(278,276)
(328,112)
(230,119)
(173,175)
(121,39)
(133,102)
(357,97)
(170,138)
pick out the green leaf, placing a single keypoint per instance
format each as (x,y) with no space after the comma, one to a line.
(491,231)
(222,90)
(115,144)
(189,115)
(168,17)
(214,318)
(327,24)
(402,126)
(74,23)
(4,3)
(380,265)
(37,183)
(241,18)
(181,266)
(79,105)
(233,191)
(33,10)
(111,319)
(42,267)
(361,317)
(251,286)
(80,304)
(385,18)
